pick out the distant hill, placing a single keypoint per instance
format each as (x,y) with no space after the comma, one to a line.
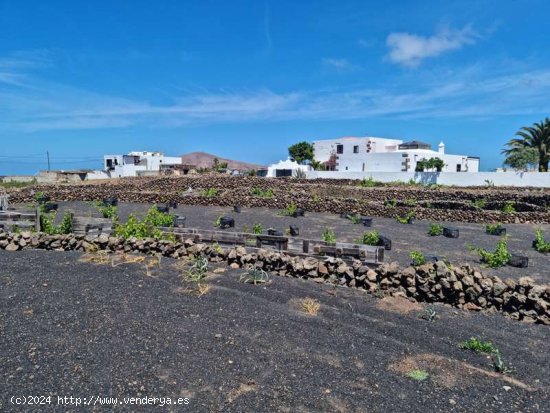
(206,160)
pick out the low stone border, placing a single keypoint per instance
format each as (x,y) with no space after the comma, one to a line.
(464,286)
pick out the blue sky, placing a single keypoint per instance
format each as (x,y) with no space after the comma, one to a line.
(245,79)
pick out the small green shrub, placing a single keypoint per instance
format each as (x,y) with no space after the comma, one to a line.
(370,183)
(390,203)
(254,276)
(159,219)
(218,223)
(370,238)
(487,347)
(146,228)
(257,229)
(106,211)
(478,346)
(435,230)
(493,228)
(417,258)
(329,236)
(496,259)
(479,203)
(209,192)
(354,218)
(290,210)
(541,245)
(261,193)
(508,208)
(418,375)
(407,219)
(47,223)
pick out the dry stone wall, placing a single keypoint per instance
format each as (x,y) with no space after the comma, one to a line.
(460,286)
(440,204)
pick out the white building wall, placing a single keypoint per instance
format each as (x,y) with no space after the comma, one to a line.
(368,144)
(371,154)
(520,179)
(288,165)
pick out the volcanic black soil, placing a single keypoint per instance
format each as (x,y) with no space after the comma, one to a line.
(70,327)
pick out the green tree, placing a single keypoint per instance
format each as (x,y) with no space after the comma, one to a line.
(317,165)
(523,159)
(301,152)
(536,136)
(436,163)
(432,163)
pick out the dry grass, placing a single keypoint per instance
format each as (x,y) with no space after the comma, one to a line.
(310,306)
(202,289)
(99,257)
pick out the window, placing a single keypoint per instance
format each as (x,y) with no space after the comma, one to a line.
(339,149)
(458,167)
(356,149)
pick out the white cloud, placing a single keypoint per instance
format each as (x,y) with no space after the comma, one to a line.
(410,49)
(339,64)
(38,105)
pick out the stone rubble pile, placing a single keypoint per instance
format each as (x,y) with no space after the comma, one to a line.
(461,286)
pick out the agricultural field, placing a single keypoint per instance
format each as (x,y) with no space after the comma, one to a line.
(443,323)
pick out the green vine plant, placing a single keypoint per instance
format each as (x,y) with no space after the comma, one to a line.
(435,230)
(149,227)
(496,259)
(106,211)
(47,223)
(329,236)
(290,210)
(209,192)
(262,193)
(417,258)
(370,238)
(540,244)
(479,203)
(390,203)
(407,218)
(508,208)
(354,218)
(493,228)
(218,223)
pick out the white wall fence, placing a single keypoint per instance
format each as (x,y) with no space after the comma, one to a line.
(534,179)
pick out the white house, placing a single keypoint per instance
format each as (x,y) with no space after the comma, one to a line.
(371,154)
(138,164)
(286,168)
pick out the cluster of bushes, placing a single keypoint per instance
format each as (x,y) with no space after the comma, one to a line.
(148,227)
(47,218)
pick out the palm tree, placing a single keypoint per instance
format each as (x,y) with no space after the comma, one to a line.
(536,136)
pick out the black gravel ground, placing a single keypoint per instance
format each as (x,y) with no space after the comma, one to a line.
(404,237)
(70,328)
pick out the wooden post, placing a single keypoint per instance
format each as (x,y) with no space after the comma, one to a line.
(37,218)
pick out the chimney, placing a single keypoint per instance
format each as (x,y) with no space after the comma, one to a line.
(441,148)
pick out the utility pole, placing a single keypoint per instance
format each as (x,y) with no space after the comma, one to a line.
(48,155)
